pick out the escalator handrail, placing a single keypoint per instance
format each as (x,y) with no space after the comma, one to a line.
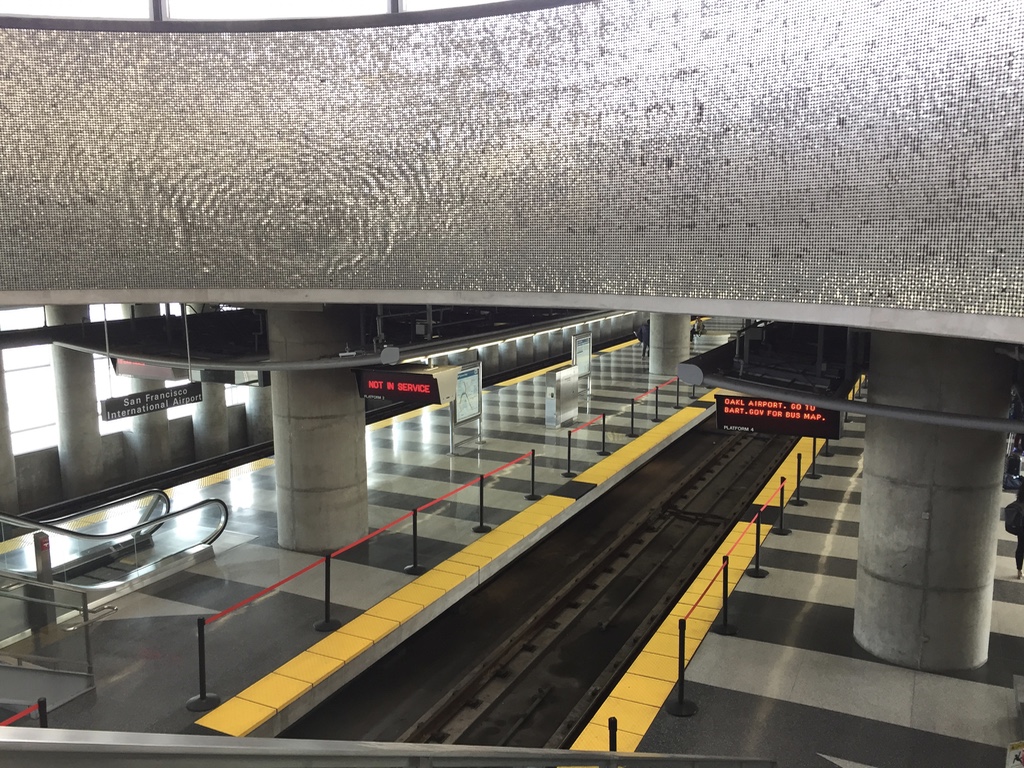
(27,523)
(20,522)
(108,585)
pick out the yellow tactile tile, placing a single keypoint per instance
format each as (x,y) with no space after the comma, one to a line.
(393,609)
(309,667)
(704,611)
(465,570)
(643,689)
(516,527)
(373,628)
(631,716)
(502,539)
(437,579)
(655,665)
(485,549)
(275,691)
(421,594)
(470,558)
(532,518)
(341,646)
(594,738)
(237,717)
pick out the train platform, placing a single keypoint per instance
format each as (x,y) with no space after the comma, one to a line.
(791,684)
(259,603)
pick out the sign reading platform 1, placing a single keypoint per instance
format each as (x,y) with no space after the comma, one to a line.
(153,400)
(419,384)
(756,414)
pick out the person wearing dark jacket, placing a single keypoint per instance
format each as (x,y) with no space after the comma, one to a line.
(1019,554)
(644,334)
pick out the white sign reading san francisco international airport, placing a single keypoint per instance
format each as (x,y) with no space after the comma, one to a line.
(153,400)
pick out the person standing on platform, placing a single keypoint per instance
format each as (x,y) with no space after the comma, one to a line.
(644,334)
(1015,525)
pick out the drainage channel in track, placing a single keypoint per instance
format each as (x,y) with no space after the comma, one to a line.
(523,659)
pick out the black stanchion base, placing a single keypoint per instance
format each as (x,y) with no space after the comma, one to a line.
(532,497)
(632,434)
(327,625)
(604,453)
(815,476)
(828,454)
(683,708)
(415,570)
(725,629)
(481,528)
(756,573)
(781,531)
(657,421)
(797,503)
(568,474)
(203,703)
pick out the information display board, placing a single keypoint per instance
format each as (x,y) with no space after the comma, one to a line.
(140,370)
(582,352)
(469,387)
(409,384)
(148,402)
(737,413)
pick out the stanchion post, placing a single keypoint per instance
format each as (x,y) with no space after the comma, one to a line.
(205,701)
(613,735)
(532,495)
(568,456)
(481,528)
(813,474)
(657,417)
(781,529)
(693,391)
(632,416)
(604,451)
(328,624)
(796,501)
(678,406)
(725,628)
(826,451)
(756,571)
(681,707)
(415,569)
(44,719)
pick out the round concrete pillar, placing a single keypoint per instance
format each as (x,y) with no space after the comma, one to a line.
(259,415)
(79,446)
(210,423)
(670,342)
(930,504)
(148,441)
(319,434)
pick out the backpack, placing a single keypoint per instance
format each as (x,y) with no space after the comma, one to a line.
(1015,518)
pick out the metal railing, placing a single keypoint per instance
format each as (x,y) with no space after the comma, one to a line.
(35,748)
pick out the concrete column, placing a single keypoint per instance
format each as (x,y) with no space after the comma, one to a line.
(670,342)
(259,415)
(210,423)
(930,504)
(79,445)
(148,440)
(319,434)
(9,504)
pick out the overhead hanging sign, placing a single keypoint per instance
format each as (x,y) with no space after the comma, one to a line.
(409,384)
(140,370)
(757,414)
(148,402)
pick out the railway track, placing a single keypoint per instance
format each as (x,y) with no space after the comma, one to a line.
(523,660)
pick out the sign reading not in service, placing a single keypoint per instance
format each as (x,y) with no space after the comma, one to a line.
(755,414)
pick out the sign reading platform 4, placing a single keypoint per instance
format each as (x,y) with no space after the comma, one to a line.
(757,414)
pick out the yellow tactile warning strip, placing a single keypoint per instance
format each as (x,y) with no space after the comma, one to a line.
(642,691)
(244,713)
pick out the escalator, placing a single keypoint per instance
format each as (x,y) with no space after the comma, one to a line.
(56,576)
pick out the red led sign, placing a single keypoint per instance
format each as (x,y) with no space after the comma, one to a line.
(404,386)
(756,414)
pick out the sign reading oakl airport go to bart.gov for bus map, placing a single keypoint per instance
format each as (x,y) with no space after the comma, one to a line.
(737,413)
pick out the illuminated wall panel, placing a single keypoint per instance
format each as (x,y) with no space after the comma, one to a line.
(856,154)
